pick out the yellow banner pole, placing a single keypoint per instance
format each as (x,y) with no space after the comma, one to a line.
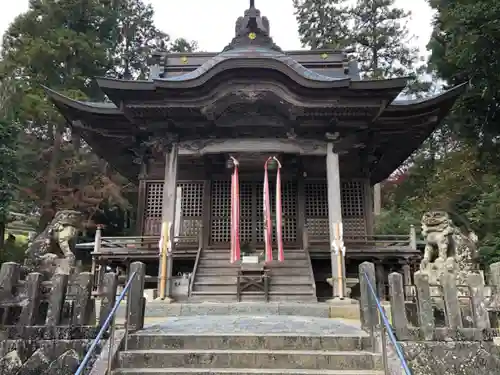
(340,266)
(340,259)
(163,258)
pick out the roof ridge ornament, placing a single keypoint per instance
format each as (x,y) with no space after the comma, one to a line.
(252,30)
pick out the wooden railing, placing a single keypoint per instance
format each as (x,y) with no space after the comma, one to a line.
(196,262)
(143,244)
(380,242)
(305,246)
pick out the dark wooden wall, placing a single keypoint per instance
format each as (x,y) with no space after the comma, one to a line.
(205,183)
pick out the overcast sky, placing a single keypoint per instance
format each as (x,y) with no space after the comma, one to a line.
(211,22)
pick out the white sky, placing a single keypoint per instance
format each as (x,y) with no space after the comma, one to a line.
(211,22)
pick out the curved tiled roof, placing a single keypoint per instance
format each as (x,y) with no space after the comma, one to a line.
(253,53)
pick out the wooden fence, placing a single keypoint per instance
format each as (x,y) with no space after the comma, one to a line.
(435,312)
(65,301)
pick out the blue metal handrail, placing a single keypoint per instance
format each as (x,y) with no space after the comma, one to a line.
(105,326)
(388,327)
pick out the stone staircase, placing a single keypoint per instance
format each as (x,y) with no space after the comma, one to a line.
(215,279)
(160,353)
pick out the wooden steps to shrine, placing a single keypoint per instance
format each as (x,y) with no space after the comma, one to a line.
(216,278)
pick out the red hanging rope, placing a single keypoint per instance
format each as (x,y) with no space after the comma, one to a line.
(279,214)
(267,215)
(235,214)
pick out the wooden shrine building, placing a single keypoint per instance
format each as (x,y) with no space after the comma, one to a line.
(335,135)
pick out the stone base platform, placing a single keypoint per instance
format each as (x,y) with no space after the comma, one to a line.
(249,345)
(156,310)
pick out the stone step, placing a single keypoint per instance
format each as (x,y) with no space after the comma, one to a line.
(292,263)
(217,288)
(250,342)
(199,297)
(225,255)
(276,280)
(290,271)
(241,371)
(228,271)
(274,359)
(214,271)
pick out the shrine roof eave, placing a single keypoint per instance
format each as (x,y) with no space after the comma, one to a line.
(401,139)
(124,90)
(104,128)
(104,108)
(405,106)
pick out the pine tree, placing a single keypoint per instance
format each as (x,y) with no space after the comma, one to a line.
(323,23)
(375,30)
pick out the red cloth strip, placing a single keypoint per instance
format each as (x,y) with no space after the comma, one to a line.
(267,216)
(233,219)
(237,213)
(279,214)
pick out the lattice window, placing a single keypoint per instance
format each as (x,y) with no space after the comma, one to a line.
(154,199)
(352,199)
(220,208)
(289,207)
(191,208)
(246,211)
(352,204)
(251,195)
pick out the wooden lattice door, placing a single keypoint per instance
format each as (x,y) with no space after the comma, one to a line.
(251,224)
(353,209)
(191,209)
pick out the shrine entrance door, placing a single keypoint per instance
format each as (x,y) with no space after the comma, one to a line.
(251,223)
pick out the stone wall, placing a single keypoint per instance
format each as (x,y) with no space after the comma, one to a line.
(453,333)
(44,350)
(452,357)
(47,326)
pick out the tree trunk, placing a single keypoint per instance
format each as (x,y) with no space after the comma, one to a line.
(49,205)
(2,235)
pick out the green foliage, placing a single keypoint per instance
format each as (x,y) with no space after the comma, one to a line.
(375,31)
(64,44)
(13,251)
(323,23)
(465,47)
(9,132)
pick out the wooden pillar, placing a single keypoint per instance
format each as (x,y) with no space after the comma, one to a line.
(334,218)
(97,250)
(141,201)
(168,221)
(377,199)
(301,206)
(206,218)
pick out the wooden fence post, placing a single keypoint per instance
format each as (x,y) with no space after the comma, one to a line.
(398,308)
(135,298)
(425,310)
(367,304)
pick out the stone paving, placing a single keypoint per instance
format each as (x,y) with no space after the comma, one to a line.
(255,325)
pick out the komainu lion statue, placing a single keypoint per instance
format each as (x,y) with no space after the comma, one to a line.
(446,247)
(52,250)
